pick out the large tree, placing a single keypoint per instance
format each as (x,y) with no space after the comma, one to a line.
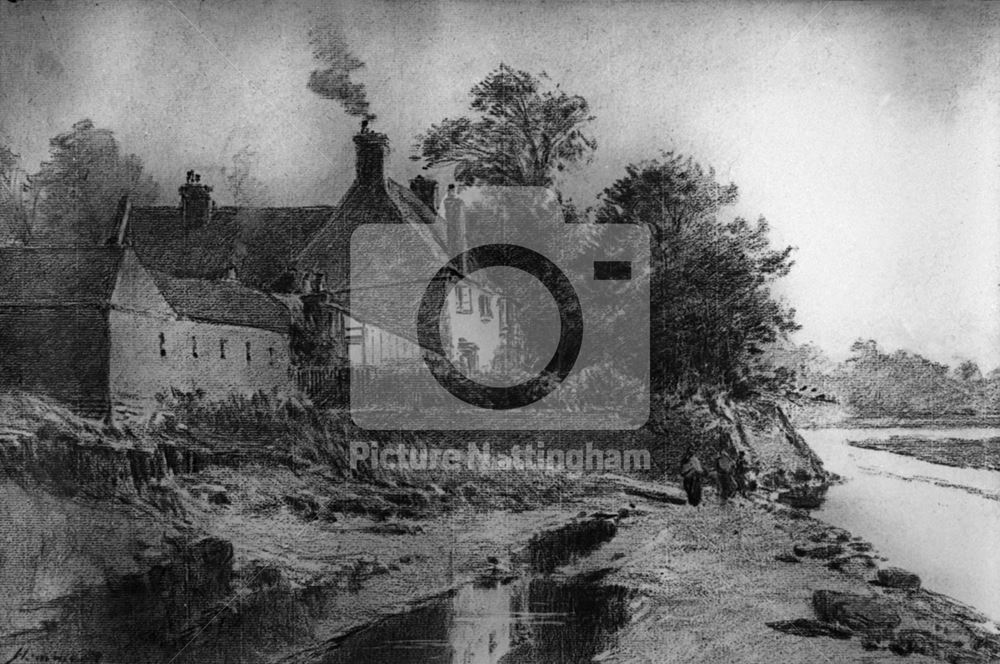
(521,132)
(82,183)
(524,132)
(712,310)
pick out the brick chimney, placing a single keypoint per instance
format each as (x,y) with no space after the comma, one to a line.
(454,216)
(196,201)
(372,149)
(426,191)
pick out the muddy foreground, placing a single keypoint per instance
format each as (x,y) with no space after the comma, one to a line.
(281,577)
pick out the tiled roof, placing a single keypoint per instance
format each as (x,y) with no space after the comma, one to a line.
(58,276)
(387,285)
(226,302)
(364,204)
(260,242)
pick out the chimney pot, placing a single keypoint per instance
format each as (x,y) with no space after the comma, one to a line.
(372,150)
(454,216)
(426,190)
(196,201)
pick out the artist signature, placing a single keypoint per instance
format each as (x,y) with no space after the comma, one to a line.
(25,654)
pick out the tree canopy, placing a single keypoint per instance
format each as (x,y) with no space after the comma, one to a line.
(524,132)
(712,310)
(80,186)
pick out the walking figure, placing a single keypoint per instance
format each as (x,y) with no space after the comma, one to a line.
(724,469)
(744,483)
(692,472)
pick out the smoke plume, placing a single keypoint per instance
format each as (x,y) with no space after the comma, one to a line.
(333,81)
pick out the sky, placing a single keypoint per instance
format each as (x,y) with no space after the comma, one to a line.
(867,134)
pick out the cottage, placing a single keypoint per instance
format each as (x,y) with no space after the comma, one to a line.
(96,329)
(302,257)
(478,328)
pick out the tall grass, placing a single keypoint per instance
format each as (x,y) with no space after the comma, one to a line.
(266,423)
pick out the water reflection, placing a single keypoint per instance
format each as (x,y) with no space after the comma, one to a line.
(542,621)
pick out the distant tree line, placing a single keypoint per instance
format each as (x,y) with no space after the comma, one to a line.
(874,382)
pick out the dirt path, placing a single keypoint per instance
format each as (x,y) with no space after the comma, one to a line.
(707,583)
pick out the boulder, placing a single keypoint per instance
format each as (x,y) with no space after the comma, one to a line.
(259,574)
(374,506)
(787,558)
(213,493)
(894,577)
(858,612)
(304,503)
(822,551)
(922,642)
(396,528)
(665,494)
(810,627)
(806,496)
(856,563)
(369,565)
(830,535)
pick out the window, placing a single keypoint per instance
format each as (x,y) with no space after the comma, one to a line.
(502,311)
(194,346)
(463,296)
(163,345)
(270,356)
(222,349)
(485,307)
(355,335)
(248,352)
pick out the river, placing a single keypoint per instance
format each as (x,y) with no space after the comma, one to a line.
(941,522)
